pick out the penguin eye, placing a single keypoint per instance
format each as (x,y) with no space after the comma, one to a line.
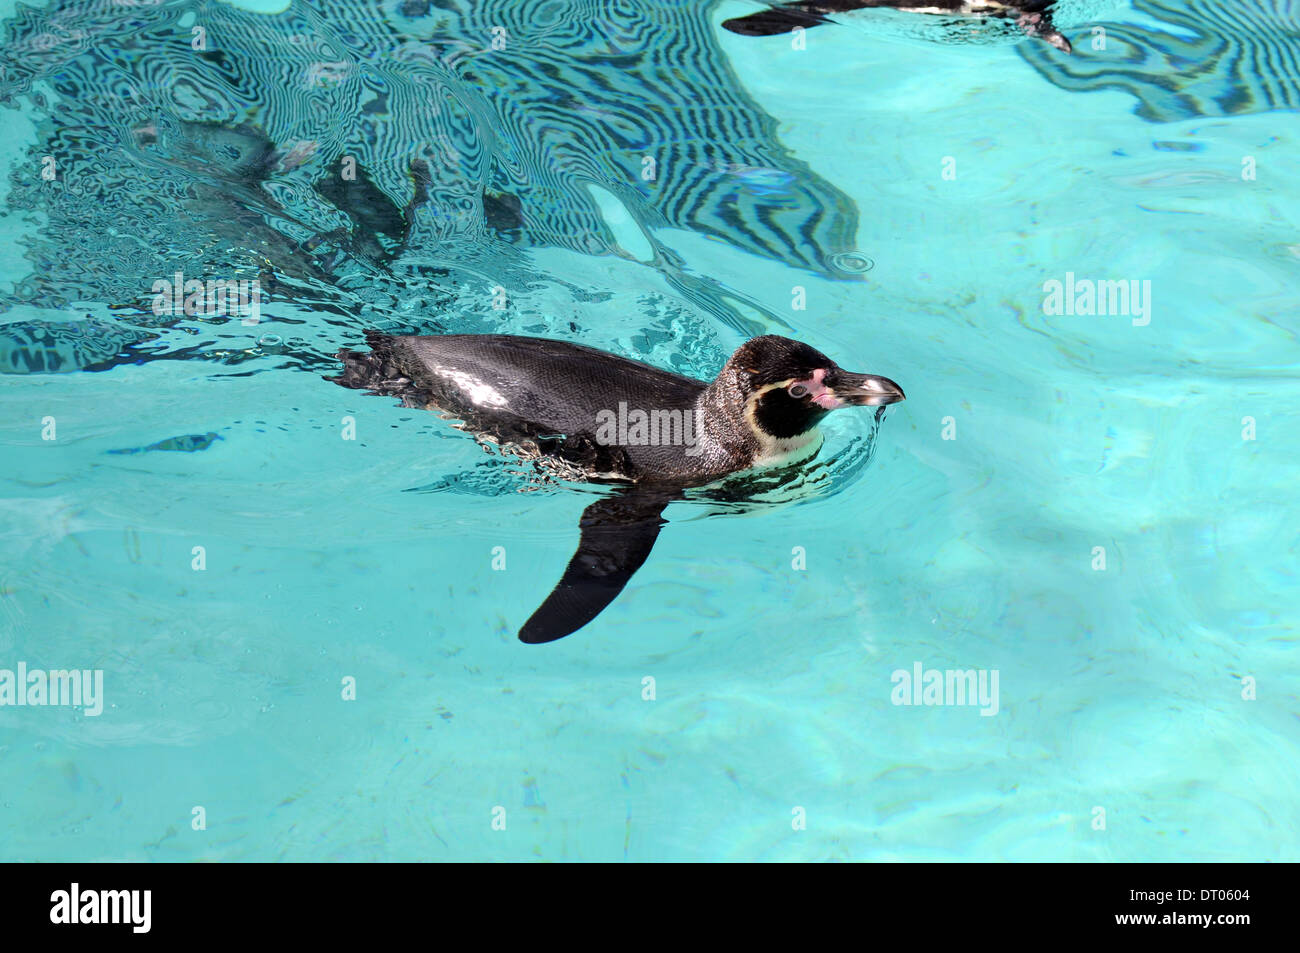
(798,390)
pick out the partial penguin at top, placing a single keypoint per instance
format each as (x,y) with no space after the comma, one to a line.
(1031,16)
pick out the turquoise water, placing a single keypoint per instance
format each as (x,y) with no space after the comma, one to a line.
(962,176)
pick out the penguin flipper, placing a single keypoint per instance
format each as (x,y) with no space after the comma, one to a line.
(786,18)
(618,532)
(775,21)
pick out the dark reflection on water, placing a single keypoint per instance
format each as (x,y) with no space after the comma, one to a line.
(366,160)
(1208,58)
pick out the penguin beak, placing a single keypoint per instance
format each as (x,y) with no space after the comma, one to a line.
(1058,41)
(864,390)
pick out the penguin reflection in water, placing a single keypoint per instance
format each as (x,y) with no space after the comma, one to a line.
(605,418)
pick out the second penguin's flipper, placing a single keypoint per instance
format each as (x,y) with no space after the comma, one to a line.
(785,18)
(618,532)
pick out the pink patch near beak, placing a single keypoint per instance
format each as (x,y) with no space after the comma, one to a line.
(821,394)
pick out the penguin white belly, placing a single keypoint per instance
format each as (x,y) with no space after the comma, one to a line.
(783,451)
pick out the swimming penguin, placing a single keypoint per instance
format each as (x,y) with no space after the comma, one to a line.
(1032,16)
(606,418)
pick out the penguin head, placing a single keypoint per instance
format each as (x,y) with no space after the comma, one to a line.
(787,387)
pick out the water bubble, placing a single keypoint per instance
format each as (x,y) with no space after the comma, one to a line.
(852,262)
